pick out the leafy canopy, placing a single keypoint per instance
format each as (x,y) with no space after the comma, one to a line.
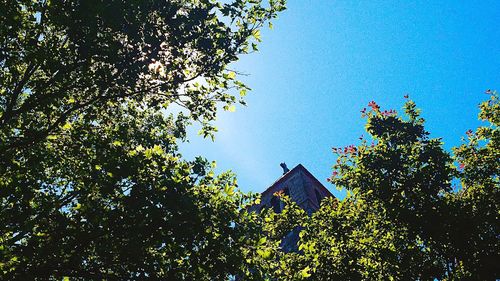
(402,218)
(94,96)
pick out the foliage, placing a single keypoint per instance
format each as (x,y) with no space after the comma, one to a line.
(59,58)
(476,243)
(94,97)
(91,182)
(401,219)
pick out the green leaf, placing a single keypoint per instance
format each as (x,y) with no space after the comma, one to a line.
(262,241)
(67,126)
(304,273)
(231,75)
(229,190)
(256,35)
(265,254)
(243,92)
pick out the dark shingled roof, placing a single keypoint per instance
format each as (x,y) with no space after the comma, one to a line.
(297,168)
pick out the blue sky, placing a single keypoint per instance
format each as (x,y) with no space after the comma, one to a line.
(325,60)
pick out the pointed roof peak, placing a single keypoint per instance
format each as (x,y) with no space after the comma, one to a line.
(294,170)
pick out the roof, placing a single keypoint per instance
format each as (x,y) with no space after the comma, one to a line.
(296,169)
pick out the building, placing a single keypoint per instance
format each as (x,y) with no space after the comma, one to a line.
(303,188)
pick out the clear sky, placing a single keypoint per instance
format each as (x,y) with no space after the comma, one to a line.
(325,60)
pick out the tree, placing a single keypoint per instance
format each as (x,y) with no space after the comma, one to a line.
(60,58)
(401,219)
(476,244)
(91,183)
